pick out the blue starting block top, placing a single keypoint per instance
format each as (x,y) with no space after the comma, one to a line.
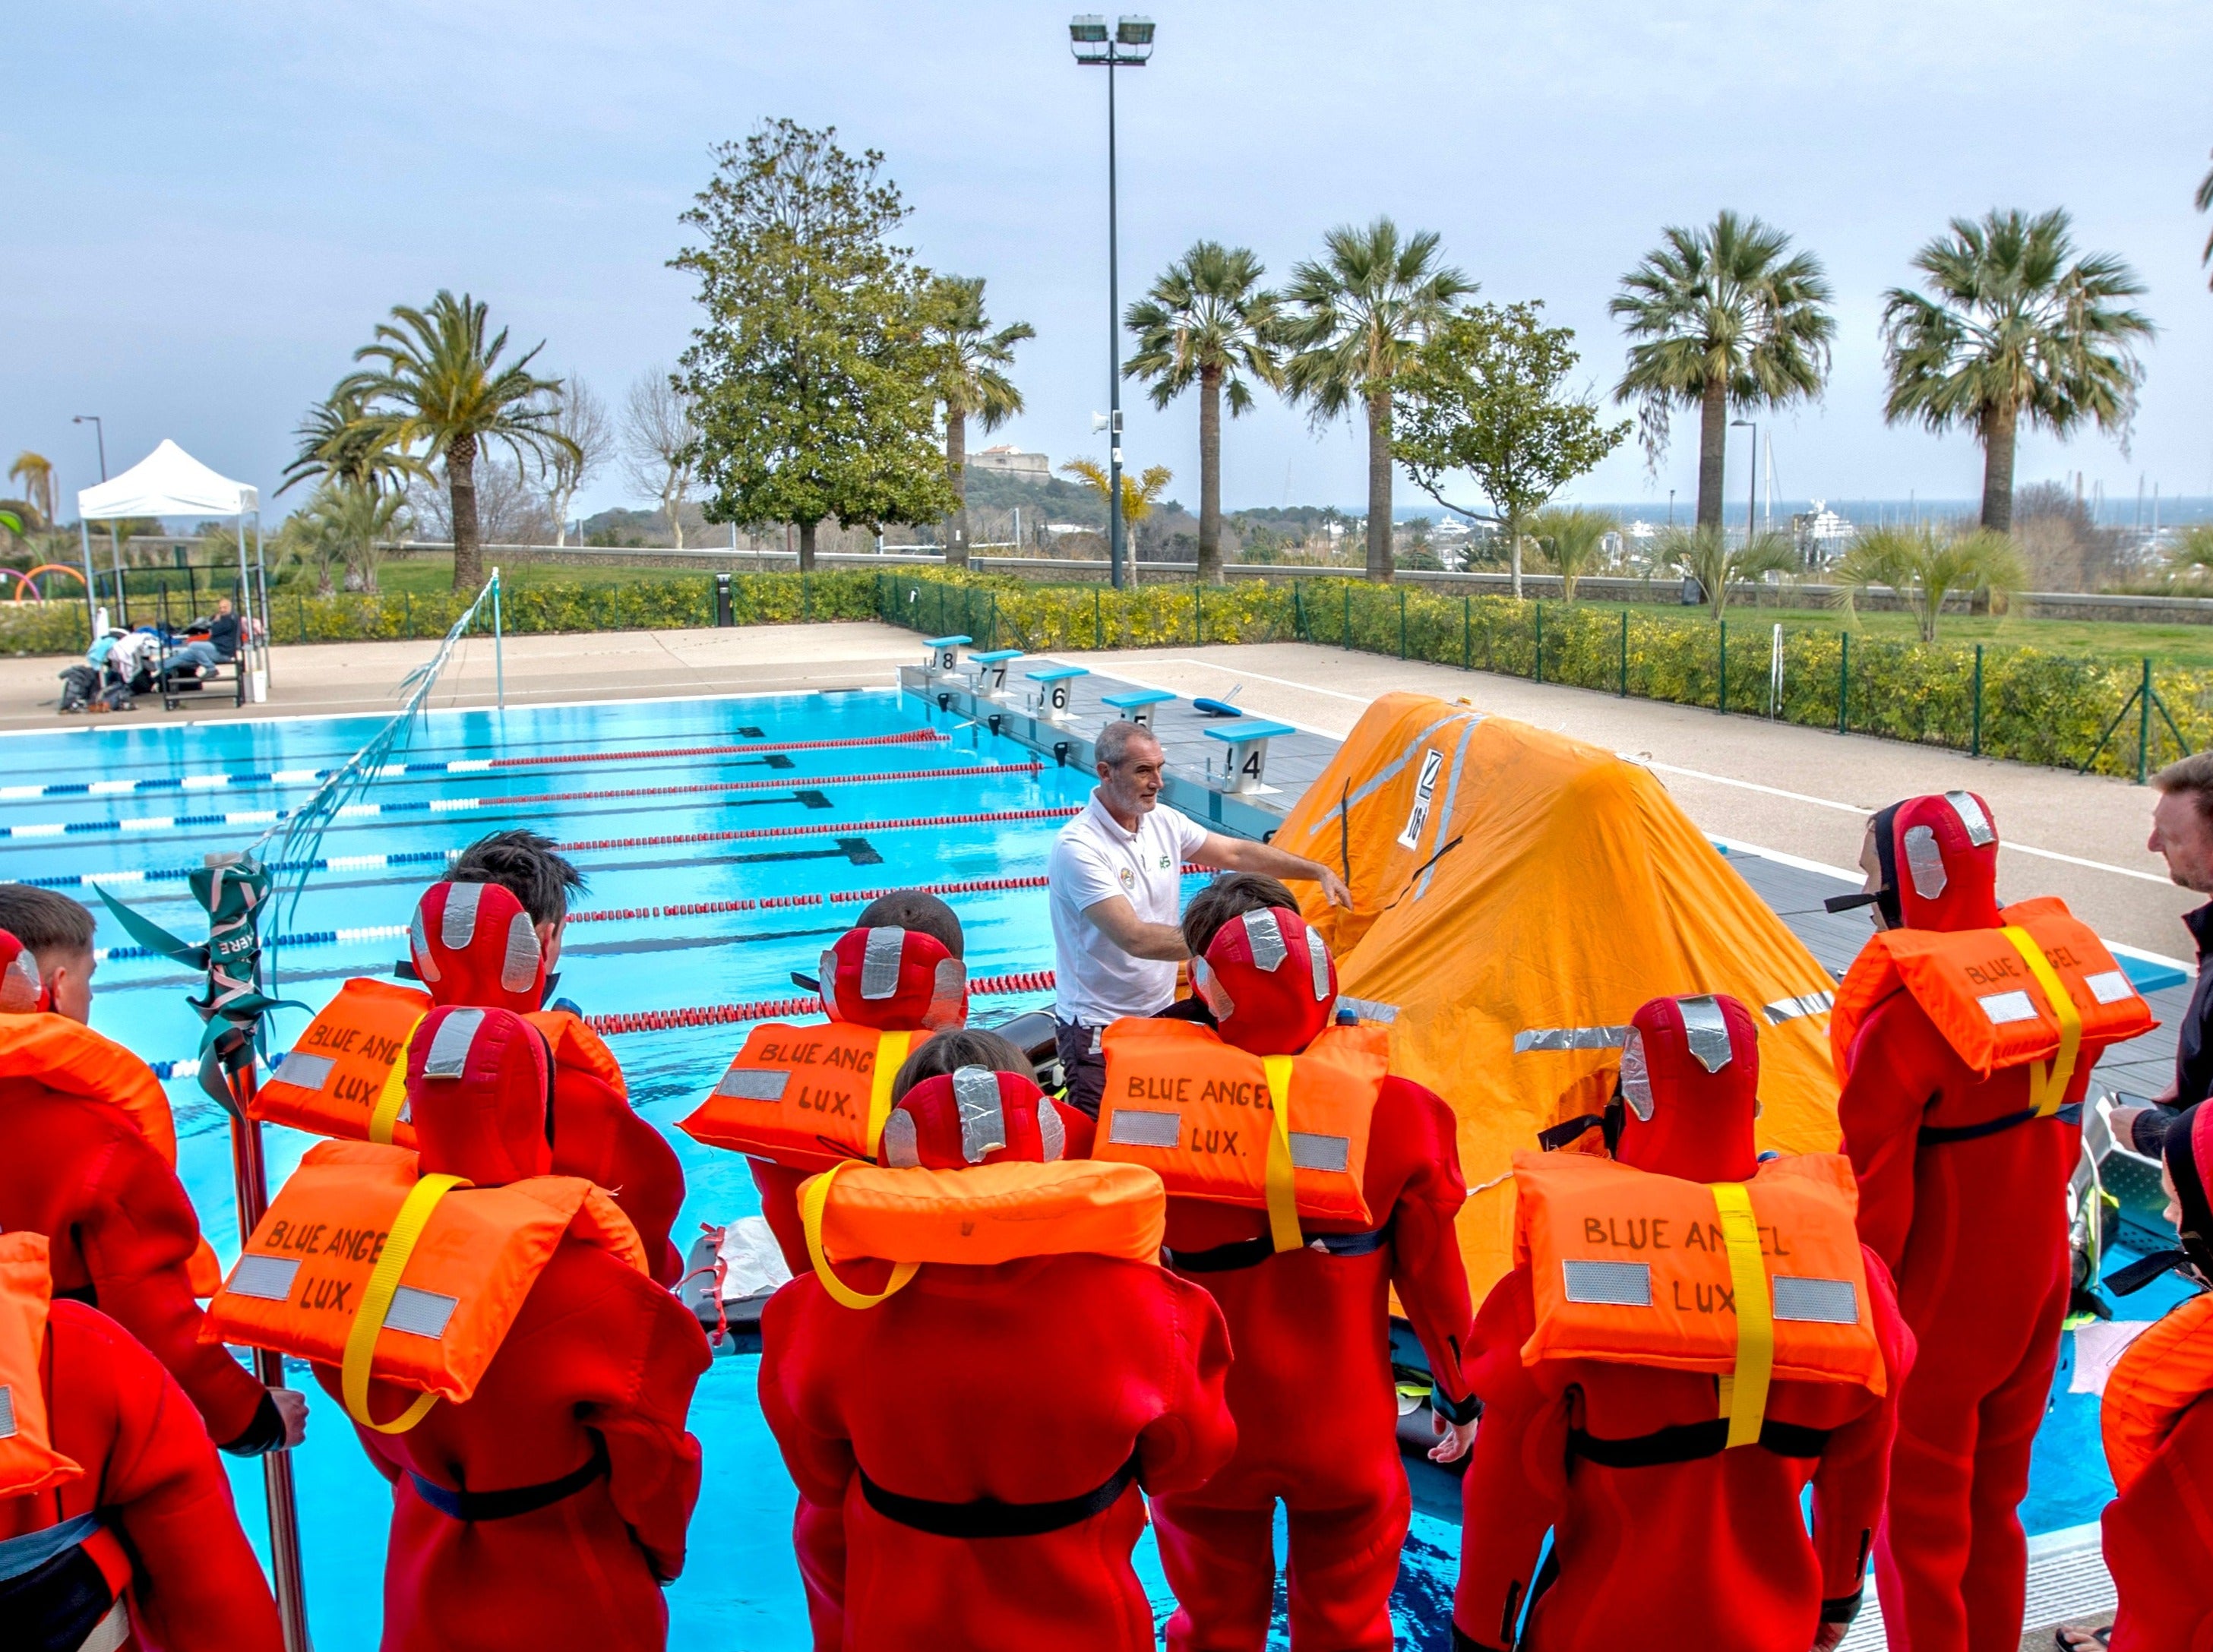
(946,641)
(1136,698)
(1245,730)
(1057,673)
(994,657)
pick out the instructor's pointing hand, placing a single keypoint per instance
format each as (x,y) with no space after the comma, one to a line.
(1333,887)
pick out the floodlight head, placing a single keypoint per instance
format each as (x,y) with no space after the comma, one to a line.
(1087,37)
(1742,425)
(1133,37)
(1099,422)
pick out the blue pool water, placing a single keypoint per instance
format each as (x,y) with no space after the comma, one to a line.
(108,801)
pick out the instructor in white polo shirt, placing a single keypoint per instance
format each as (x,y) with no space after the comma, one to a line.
(1116,878)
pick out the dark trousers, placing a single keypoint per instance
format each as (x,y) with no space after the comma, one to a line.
(1082,1067)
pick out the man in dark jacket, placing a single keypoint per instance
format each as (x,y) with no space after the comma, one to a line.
(2182,833)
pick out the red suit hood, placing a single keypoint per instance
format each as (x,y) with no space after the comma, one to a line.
(1690,1089)
(894,980)
(973,1116)
(1269,980)
(473,943)
(1939,856)
(480,1093)
(21,991)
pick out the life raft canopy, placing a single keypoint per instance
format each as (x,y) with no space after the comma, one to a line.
(1517,894)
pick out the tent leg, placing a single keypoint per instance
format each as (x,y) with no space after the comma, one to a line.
(91,591)
(261,593)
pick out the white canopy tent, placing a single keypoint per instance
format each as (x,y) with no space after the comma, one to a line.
(170,482)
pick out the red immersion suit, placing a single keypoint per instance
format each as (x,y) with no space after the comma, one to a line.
(984,1427)
(87,1156)
(1663,1532)
(108,1480)
(1959,1109)
(544,1502)
(1312,1388)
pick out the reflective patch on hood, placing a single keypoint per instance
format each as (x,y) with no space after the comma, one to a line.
(418,943)
(1924,862)
(449,1051)
(518,970)
(1265,936)
(1637,1076)
(901,1151)
(880,962)
(458,926)
(1980,830)
(1706,1030)
(1318,956)
(983,1120)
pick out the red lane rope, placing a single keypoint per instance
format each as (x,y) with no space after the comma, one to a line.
(827,828)
(771,903)
(763,1010)
(794,783)
(912,737)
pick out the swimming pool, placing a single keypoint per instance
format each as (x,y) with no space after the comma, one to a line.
(767,817)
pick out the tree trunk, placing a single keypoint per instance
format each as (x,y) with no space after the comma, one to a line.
(1998,426)
(1210,476)
(1379,566)
(1513,551)
(461,490)
(1713,445)
(956,471)
(674,505)
(806,547)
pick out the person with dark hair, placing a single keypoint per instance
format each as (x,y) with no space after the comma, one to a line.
(1231,895)
(1963,1036)
(87,1157)
(916,910)
(2182,835)
(979,1513)
(527,865)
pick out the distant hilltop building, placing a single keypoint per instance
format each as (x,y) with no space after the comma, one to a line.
(1821,534)
(1012,461)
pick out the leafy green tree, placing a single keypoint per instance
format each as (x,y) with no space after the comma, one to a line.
(1208,322)
(970,383)
(1720,317)
(1140,492)
(2192,555)
(1485,395)
(1923,567)
(2012,328)
(1354,318)
(1707,555)
(1573,540)
(439,383)
(814,379)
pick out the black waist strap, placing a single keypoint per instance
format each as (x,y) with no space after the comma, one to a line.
(988,1517)
(1938,1135)
(1250,1252)
(515,1500)
(1686,1442)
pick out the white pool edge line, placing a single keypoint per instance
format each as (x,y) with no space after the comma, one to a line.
(1303,727)
(2068,1539)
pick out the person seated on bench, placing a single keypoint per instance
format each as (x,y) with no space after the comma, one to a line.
(218,647)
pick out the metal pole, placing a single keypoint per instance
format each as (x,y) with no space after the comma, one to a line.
(498,646)
(1975,740)
(245,606)
(2143,724)
(261,591)
(1624,654)
(1113,350)
(1751,489)
(91,592)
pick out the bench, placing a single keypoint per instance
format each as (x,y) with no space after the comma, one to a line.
(1137,706)
(1246,763)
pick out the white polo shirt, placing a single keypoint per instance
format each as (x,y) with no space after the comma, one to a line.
(1094,859)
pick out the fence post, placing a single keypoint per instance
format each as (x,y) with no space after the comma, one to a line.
(1464,628)
(2143,724)
(1098,621)
(1721,699)
(1298,613)
(1975,739)
(1402,622)
(995,620)
(1624,654)
(1843,677)
(1540,641)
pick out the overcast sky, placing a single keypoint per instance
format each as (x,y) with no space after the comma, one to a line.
(210,206)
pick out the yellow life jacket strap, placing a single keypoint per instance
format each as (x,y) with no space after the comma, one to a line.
(2047,1084)
(376,1301)
(891,1055)
(812,1198)
(1744,1393)
(394,1096)
(1280,1179)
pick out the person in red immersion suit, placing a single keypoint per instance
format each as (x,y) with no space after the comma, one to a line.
(984,1513)
(116,1524)
(1312,1388)
(1662,1532)
(550,1508)
(87,1157)
(1962,1085)
(2158,1419)
(487,937)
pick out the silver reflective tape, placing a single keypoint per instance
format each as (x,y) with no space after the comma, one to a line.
(1818,1301)
(880,962)
(419,944)
(7,1411)
(1311,1152)
(459,925)
(309,1072)
(1980,830)
(449,1051)
(1367,1009)
(1537,1039)
(902,1150)
(1266,937)
(1134,1129)
(825,973)
(1608,1284)
(1318,956)
(2005,1007)
(1924,860)
(419,1313)
(2110,986)
(518,970)
(1052,1132)
(269,1278)
(948,992)
(753,1084)
(1813,1003)
(982,1120)
(1207,984)
(1705,1029)
(20,986)
(1637,1076)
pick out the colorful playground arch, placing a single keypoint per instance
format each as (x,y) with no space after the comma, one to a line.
(27,583)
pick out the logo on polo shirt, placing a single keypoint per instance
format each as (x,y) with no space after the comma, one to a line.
(1129,878)
(1164,863)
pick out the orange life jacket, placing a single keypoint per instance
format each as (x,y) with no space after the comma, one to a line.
(52,1052)
(398,1277)
(1286,1134)
(579,1049)
(978,1216)
(28,1462)
(2160,1376)
(1749,1281)
(2042,989)
(805,1097)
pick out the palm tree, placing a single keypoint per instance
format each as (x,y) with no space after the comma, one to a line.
(1571,539)
(2192,555)
(1706,555)
(1356,316)
(442,385)
(970,383)
(2205,204)
(36,473)
(341,441)
(1207,321)
(1923,567)
(1140,493)
(1721,317)
(2013,328)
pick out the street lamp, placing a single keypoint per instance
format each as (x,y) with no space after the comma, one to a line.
(1752,487)
(114,545)
(1129,47)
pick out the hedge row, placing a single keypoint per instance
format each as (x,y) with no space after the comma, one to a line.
(2026,704)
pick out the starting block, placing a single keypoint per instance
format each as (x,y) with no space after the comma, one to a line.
(1138,705)
(1247,760)
(991,672)
(944,655)
(1053,688)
